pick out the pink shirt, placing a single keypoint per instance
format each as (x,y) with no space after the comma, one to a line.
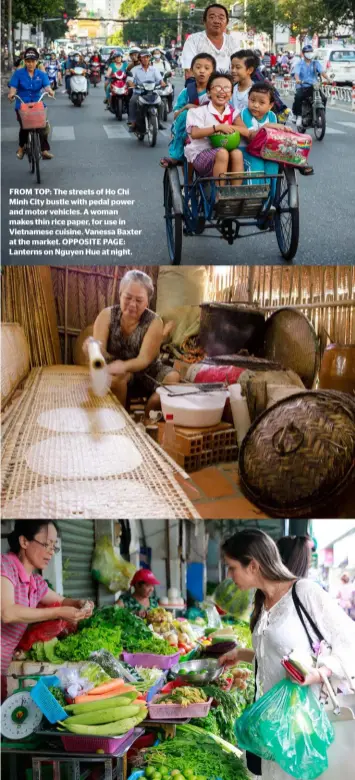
(29,591)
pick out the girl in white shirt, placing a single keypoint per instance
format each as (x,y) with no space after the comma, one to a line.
(217,116)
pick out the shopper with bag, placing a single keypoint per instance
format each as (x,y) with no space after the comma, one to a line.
(32,544)
(291,614)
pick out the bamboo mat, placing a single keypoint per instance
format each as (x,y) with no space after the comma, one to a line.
(68,454)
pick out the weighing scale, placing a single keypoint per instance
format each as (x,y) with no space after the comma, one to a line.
(20,716)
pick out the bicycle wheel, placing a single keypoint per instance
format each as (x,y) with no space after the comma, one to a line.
(319,127)
(30,153)
(36,146)
(173,223)
(287,226)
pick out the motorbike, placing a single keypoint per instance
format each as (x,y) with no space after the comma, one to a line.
(52,73)
(118,100)
(95,73)
(167,97)
(78,86)
(313,111)
(149,104)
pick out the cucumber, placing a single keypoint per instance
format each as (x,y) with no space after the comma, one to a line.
(114,701)
(96,717)
(109,729)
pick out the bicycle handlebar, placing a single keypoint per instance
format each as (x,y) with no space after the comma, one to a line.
(34,101)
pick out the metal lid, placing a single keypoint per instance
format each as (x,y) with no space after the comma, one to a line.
(290,339)
(299,455)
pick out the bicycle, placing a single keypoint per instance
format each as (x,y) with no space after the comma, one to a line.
(34,122)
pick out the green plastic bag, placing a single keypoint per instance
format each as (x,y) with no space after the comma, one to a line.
(109,568)
(288,725)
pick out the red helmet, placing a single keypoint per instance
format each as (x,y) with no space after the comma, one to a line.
(146,576)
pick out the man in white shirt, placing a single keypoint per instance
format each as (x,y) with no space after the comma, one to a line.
(213,40)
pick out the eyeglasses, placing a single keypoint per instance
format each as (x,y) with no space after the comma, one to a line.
(222,89)
(49,547)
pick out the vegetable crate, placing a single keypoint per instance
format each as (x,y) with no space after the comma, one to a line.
(200,447)
(151,661)
(174,711)
(80,744)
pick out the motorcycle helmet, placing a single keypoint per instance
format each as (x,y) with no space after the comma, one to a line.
(135,50)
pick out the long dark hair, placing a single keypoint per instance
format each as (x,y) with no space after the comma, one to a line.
(294,551)
(246,546)
(28,529)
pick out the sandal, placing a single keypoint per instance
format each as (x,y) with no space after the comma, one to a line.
(168,162)
(307,171)
(20,154)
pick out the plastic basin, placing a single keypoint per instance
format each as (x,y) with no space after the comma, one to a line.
(195,410)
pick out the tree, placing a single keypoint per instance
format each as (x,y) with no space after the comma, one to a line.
(116,39)
(260,15)
(303,17)
(165,11)
(53,30)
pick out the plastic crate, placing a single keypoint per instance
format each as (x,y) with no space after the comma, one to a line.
(45,700)
(175,711)
(33,116)
(79,744)
(151,661)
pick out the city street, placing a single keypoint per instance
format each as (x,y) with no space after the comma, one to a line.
(92,150)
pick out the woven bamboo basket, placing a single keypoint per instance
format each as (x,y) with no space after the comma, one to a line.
(298,457)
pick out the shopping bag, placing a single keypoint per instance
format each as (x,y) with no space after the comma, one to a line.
(109,568)
(288,725)
(278,145)
(43,632)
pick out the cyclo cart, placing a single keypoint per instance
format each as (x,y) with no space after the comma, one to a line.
(197,205)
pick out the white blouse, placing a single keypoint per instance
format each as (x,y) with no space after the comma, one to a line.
(279,631)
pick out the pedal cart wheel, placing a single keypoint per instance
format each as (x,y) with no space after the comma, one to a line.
(287,214)
(173,220)
(30,156)
(319,127)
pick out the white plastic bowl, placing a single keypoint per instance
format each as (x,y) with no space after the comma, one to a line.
(193,410)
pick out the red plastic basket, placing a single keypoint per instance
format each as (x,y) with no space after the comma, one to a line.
(76,744)
(33,116)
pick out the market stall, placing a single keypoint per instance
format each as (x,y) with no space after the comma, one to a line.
(101,695)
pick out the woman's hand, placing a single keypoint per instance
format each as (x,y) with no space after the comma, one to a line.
(86,605)
(226,129)
(117,368)
(230,659)
(315,678)
(72,614)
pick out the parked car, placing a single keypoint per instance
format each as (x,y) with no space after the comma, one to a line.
(339,61)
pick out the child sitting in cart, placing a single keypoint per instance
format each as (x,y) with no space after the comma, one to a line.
(194,94)
(258,114)
(217,116)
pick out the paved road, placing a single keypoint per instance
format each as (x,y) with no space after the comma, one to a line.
(93,150)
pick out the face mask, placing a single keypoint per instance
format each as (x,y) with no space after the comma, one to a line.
(308,55)
(157,56)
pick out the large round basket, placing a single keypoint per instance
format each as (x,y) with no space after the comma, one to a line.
(299,455)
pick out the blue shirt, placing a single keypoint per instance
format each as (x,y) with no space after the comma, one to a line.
(29,88)
(139,75)
(308,72)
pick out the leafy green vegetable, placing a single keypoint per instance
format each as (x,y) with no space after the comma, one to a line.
(77,647)
(58,695)
(193,749)
(136,636)
(49,649)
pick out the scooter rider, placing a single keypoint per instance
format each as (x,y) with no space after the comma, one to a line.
(143,72)
(306,72)
(52,67)
(133,59)
(72,61)
(116,66)
(95,57)
(159,61)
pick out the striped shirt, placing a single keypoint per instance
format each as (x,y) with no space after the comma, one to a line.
(29,590)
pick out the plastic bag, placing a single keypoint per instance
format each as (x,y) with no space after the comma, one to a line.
(109,568)
(288,725)
(43,632)
(72,682)
(228,374)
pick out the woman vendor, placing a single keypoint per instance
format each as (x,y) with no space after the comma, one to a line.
(131,335)
(285,607)
(32,544)
(141,598)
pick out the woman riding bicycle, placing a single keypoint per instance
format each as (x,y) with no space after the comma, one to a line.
(29,83)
